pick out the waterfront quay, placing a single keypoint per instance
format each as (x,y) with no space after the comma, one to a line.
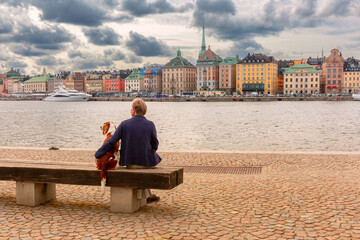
(294,196)
(198,99)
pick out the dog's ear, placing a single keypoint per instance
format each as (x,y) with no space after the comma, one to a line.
(105,128)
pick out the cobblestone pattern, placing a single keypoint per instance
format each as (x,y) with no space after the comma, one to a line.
(299,196)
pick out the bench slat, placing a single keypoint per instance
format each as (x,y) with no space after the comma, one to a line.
(87,174)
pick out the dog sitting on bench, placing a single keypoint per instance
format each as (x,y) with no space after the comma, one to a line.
(107,161)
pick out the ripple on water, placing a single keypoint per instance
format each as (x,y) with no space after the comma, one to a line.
(189,126)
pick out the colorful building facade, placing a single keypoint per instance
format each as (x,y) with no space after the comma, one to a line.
(207,67)
(227,74)
(134,82)
(114,83)
(178,76)
(351,76)
(257,73)
(332,73)
(153,78)
(37,84)
(301,79)
(94,83)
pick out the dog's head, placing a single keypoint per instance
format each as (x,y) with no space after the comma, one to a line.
(105,127)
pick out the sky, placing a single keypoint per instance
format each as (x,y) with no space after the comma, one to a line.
(81,35)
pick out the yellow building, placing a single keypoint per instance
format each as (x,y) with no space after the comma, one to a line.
(351,76)
(37,84)
(94,83)
(257,73)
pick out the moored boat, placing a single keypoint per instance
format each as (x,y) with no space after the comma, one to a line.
(67,95)
(356,96)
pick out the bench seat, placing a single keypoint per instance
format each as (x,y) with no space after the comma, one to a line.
(36,181)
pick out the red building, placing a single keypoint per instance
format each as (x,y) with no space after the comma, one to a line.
(115,83)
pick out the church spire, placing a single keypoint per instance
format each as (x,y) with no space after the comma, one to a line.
(203,45)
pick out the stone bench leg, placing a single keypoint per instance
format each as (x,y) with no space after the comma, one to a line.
(126,200)
(34,194)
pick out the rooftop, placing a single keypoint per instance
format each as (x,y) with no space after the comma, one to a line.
(136,74)
(210,55)
(36,79)
(179,61)
(257,58)
(298,67)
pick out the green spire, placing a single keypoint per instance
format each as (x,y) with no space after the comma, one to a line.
(203,45)
(178,53)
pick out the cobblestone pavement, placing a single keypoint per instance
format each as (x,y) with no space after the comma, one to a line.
(297,196)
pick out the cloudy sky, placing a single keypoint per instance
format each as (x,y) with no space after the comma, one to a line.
(79,35)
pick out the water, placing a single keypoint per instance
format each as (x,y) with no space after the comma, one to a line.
(190,126)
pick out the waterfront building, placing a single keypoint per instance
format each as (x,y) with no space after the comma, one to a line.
(94,83)
(1,85)
(69,82)
(227,74)
(152,78)
(115,82)
(79,81)
(351,76)
(301,79)
(282,65)
(207,67)
(332,73)
(15,84)
(257,73)
(57,80)
(7,75)
(178,76)
(134,82)
(37,84)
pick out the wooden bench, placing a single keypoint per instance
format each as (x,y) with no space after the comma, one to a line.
(36,181)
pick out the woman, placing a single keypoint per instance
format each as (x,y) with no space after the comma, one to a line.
(138,141)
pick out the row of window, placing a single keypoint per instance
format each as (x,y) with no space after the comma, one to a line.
(297,80)
(177,69)
(353,85)
(301,85)
(301,74)
(297,91)
(357,78)
(334,70)
(351,73)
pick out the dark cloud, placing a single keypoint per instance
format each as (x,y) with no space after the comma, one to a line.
(79,12)
(147,46)
(242,48)
(140,8)
(102,36)
(16,64)
(114,54)
(337,8)
(75,53)
(48,61)
(45,38)
(27,50)
(272,18)
(5,26)
(133,59)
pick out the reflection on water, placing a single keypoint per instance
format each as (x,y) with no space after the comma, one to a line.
(190,126)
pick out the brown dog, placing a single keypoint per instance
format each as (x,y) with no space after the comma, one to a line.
(107,161)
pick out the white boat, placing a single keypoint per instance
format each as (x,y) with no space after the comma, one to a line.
(356,96)
(67,95)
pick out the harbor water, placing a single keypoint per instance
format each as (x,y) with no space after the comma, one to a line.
(190,126)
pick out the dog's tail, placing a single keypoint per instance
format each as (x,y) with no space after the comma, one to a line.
(103,183)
